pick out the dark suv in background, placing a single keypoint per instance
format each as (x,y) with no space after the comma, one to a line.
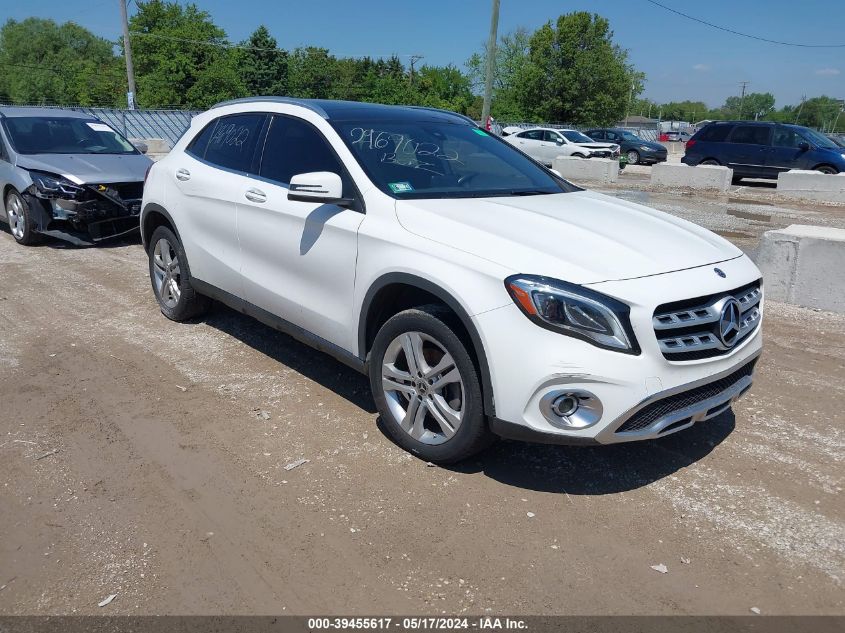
(634,149)
(763,150)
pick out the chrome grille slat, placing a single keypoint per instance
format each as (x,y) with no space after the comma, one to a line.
(690,332)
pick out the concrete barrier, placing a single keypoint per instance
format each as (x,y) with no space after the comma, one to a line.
(681,176)
(603,170)
(804,265)
(812,185)
(157,148)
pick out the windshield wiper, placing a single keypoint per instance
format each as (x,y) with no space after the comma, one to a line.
(529,192)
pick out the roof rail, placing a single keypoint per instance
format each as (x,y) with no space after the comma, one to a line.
(305,103)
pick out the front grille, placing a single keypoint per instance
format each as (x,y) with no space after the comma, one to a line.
(689,329)
(129,190)
(649,414)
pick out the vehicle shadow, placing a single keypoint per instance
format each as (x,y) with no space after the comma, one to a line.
(598,470)
(284,349)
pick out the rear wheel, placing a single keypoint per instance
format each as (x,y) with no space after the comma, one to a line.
(827,169)
(171,278)
(426,387)
(20,220)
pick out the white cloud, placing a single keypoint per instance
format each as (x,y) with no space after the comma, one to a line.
(828,72)
(703,68)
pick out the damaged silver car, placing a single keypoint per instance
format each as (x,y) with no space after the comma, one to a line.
(67,175)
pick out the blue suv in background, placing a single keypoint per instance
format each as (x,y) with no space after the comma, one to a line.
(763,150)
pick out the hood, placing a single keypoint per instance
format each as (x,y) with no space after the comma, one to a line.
(650,144)
(89,168)
(581,237)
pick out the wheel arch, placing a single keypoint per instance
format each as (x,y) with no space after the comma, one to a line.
(152,217)
(376,309)
(834,167)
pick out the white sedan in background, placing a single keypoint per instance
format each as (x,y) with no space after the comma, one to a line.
(546,144)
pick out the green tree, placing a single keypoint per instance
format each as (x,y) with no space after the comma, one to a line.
(181,57)
(44,62)
(262,65)
(690,111)
(511,56)
(575,73)
(820,112)
(755,105)
(311,73)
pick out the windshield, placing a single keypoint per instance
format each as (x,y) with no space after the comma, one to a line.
(818,139)
(61,135)
(427,159)
(629,136)
(576,137)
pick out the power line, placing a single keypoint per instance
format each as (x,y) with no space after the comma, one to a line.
(753,37)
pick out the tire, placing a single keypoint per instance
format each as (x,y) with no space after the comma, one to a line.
(20,221)
(633,157)
(736,180)
(171,278)
(826,169)
(443,424)
(710,161)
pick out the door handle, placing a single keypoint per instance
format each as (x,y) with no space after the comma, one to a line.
(255,195)
(183,174)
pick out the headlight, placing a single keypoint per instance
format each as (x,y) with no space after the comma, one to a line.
(645,148)
(575,311)
(48,186)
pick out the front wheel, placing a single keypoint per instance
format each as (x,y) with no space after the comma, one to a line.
(20,220)
(710,161)
(633,157)
(171,279)
(426,387)
(827,169)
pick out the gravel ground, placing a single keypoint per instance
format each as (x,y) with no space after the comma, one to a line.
(146,459)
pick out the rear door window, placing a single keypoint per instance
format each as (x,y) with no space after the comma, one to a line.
(751,134)
(234,140)
(533,135)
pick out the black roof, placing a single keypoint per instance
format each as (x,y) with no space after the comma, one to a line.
(358,111)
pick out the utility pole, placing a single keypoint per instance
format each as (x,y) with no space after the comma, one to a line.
(127,51)
(742,98)
(414,60)
(801,107)
(491,63)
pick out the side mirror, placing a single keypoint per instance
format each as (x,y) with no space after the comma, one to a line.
(318,186)
(559,141)
(556,173)
(804,146)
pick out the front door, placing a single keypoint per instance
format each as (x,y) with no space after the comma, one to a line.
(299,257)
(748,147)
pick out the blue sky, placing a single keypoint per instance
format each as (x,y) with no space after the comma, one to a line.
(682,59)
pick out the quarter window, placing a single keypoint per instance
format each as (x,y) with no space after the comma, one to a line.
(198,146)
(233,141)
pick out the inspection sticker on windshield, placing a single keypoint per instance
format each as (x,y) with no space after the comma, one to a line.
(480,132)
(400,187)
(99,127)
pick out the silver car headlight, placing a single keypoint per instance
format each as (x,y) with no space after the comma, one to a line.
(575,311)
(50,186)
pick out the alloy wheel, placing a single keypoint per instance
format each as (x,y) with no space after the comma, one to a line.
(633,157)
(167,273)
(423,388)
(17,217)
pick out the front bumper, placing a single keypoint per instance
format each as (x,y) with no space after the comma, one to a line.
(642,397)
(100,215)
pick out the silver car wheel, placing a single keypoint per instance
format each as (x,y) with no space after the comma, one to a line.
(166,273)
(633,157)
(423,388)
(16,216)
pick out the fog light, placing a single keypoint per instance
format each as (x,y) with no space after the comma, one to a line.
(571,409)
(565,405)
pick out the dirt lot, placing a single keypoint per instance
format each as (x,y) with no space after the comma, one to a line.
(145,458)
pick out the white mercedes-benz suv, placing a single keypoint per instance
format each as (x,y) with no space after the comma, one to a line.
(481,293)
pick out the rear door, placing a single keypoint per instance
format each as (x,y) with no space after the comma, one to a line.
(531,142)
(785,153)
(747,149)
(210,177)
